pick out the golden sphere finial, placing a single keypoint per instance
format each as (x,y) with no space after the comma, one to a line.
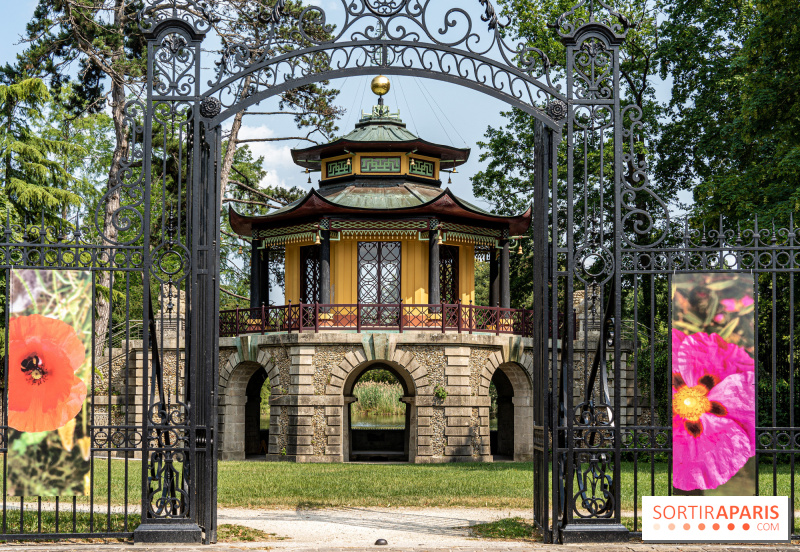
(380,85)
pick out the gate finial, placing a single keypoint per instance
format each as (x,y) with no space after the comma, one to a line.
(586,12)
(197,15)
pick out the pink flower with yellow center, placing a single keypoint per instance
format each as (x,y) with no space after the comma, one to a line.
(713,406)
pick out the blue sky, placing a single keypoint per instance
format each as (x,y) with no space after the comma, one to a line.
(460,118)
(439,112)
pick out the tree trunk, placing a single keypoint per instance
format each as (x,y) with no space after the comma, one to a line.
(233,143)
(105,279)
(103,304)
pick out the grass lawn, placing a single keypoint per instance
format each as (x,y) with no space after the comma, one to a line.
(507,529)
(289,485)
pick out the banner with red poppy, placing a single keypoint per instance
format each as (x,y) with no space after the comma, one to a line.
(49,372)
(713,384)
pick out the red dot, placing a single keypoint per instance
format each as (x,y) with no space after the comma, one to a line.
(686,526)
(671,526)
(716,526)
(701,526)
(731,526)
(746,526)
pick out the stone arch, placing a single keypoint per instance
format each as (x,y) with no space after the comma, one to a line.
(242,381)
(521,398)
(409,379)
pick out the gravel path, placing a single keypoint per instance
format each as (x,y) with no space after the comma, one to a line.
(361,527)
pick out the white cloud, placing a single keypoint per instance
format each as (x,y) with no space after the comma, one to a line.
(281,170)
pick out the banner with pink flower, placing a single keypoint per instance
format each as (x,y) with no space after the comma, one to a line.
(713,384)
(49,358)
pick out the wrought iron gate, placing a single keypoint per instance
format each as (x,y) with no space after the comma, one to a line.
(603,243)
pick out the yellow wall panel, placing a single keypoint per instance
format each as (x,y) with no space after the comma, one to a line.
(343,272)
(292,273)
(466,273)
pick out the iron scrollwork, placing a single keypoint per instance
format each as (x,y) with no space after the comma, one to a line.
(413,36)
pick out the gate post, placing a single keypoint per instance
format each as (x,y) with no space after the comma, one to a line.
(178,441)
(587,434)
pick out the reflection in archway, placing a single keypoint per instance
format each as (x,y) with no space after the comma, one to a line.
(379,423)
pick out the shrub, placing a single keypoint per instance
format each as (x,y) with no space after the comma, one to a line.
(378,398)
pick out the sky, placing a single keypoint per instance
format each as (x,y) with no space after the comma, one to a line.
(438,112)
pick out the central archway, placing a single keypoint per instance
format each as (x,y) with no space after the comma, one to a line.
(380,443)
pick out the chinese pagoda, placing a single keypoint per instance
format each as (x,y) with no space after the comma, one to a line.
(379,272)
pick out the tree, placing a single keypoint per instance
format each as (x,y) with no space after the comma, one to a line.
(507,181)
(242,22)
(734,127)
(34,179)
(101,36)
(701,42)
(248,198)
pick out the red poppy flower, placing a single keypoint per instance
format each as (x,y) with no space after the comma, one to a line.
(43,391)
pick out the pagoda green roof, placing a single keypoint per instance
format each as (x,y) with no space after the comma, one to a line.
(390,201)
(380,131)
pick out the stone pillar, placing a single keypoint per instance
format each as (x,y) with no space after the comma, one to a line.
(434,296)
(234,419)
(325,267)
(505,282)
(494,278)
(523,429)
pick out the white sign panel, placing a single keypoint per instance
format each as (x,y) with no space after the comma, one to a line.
(716,519)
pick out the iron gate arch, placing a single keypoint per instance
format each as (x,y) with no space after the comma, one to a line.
(246,76)
(596,231)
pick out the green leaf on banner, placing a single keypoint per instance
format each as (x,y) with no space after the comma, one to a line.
(722,284)
(690,328)
(726,332)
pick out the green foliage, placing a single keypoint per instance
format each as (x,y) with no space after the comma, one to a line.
(100,37)
(733,129)
(31,154)
(378,375)
(440,392)
(481,283)
(378,398)
(235,252)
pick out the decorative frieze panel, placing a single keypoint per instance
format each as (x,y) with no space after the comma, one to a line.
(378,229)
(420,167)
(289,234)
(461,233)
(380,165)
(338,168)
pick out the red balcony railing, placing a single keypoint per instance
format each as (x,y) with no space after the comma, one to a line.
(398,316)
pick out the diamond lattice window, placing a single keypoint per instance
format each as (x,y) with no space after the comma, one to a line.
(448,273)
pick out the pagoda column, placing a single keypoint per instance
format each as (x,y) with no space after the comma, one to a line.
(494,278)
(325,264)
(259,277)
(505,283)
(434,297)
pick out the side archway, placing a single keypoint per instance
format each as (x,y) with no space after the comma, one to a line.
(240,411)
(513,438)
